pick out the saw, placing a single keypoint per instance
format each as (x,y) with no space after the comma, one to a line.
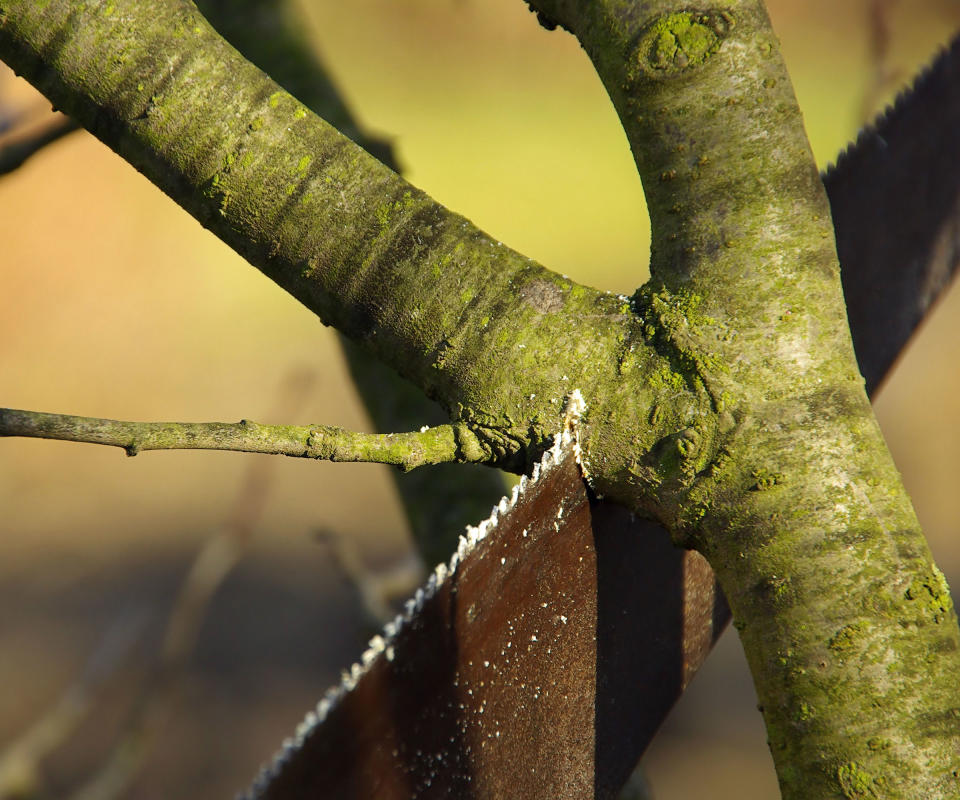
(541,659)
(522,632)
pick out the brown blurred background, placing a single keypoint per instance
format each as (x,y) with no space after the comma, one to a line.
(115,303)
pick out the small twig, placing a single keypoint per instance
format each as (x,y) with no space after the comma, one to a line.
(378,590)
(442,444)
(15,152)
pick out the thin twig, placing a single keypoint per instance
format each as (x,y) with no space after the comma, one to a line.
(438,445)
(378,590)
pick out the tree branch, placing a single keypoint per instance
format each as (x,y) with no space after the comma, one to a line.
(274,35)
(479,327)
(442,444)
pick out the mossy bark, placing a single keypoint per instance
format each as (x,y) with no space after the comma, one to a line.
(724,398)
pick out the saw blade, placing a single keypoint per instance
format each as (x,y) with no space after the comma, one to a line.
(530,665)
(895,200)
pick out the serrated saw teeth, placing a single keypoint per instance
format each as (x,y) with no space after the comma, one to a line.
(383,644)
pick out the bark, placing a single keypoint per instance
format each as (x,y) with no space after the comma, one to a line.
(724,399)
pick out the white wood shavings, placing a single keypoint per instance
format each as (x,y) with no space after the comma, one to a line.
(323,708)
(306,726)
(552,456)
(473,536)
(463,546)
(575,409)
(383,645)
(484,527)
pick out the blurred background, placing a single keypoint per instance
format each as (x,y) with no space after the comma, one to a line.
(115,303)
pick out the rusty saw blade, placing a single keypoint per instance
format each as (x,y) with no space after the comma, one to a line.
(523,667)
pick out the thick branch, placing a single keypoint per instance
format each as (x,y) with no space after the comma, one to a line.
(490,334)
(273,34)
(442,444)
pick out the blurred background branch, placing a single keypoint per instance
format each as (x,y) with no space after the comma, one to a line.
(20,766)
(26,138)
(21,762)
(216,559)
(885,75)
